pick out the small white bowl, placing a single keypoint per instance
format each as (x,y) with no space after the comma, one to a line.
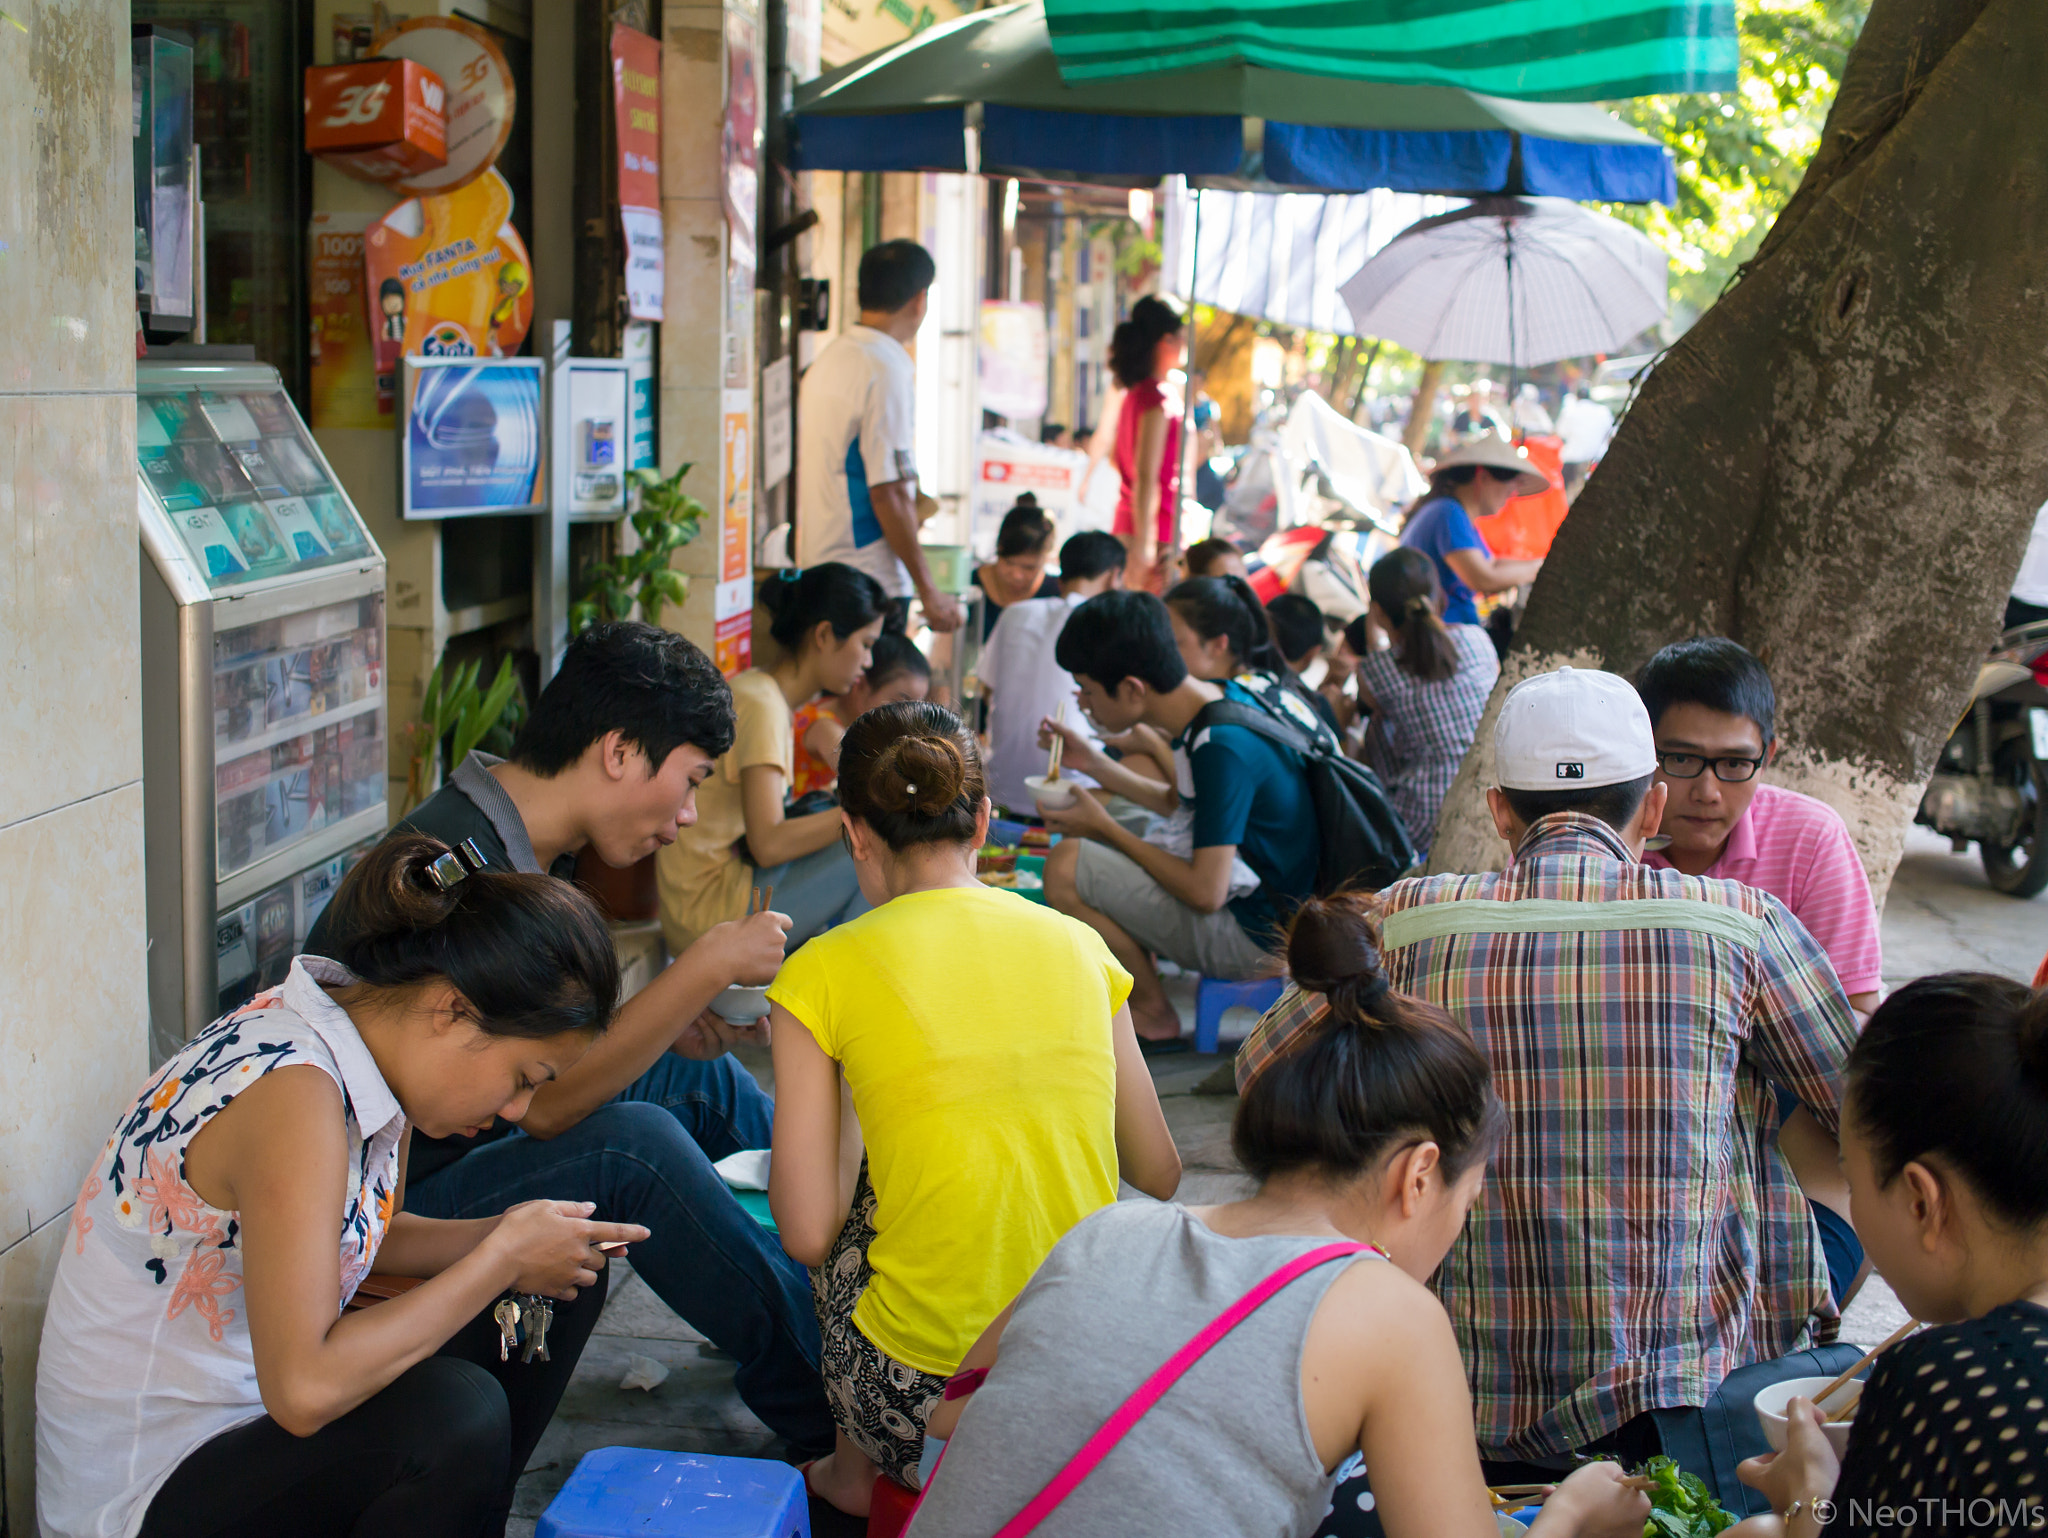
(1771,1402)
(741,1004)
(1050,793)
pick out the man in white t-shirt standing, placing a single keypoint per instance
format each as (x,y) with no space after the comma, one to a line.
(856,457)
(1587,427)
(2029,600)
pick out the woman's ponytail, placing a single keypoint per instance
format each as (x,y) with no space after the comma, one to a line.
(1227,607)
(529,953)
(830,593)
(1403,583)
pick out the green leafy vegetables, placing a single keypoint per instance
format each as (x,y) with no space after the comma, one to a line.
(1681,1506)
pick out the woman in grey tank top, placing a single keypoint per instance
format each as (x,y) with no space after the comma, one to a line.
(1374,1125)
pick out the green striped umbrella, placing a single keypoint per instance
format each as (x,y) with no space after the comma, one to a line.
(908,107)
(1531,50)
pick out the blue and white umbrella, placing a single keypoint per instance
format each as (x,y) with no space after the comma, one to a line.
(1515,281)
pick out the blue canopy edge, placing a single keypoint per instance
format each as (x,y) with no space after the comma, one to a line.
(931,140)
(1091,144)
(1359,159)
(1598,173)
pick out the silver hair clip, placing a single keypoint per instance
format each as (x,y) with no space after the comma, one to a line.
(449,870)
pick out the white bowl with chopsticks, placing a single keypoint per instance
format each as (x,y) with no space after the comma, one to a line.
(1771,1402)
(1050,794)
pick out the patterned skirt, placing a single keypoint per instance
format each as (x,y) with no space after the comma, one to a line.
(880,1403)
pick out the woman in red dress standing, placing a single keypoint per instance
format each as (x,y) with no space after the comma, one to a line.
(1143,352)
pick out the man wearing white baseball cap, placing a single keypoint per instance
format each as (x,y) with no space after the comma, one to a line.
(1638,1238)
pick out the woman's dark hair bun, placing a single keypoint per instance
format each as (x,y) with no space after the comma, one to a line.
(912,772)
(530,953)
(1377,1069)
(1333,949)
(1953,1069)
(919,775)
(2033,1040)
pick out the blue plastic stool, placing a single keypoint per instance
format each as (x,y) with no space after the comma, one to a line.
(621,1491)
(1213,996)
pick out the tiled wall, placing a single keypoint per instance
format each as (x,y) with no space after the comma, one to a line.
(73,1010)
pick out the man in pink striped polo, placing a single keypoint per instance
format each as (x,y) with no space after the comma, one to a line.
(1713,714)
(1713,711)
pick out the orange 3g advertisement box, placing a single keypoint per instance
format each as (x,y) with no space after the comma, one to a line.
(380,120)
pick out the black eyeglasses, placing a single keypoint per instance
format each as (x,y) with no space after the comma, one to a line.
(1464,475)
(1690,766)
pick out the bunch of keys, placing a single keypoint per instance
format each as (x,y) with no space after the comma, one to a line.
(536,1313)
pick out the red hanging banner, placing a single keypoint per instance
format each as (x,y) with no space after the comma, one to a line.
(636,106)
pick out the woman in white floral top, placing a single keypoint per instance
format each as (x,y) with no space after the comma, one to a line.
(199,1374)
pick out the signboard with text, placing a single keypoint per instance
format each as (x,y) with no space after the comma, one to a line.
(636,106)
(344,371)
(447,276)
(732,610)
(472,440)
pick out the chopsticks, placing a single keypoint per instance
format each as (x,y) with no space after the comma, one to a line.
(1059,743)
(760,899)
(1535,1495)
(1843,1412)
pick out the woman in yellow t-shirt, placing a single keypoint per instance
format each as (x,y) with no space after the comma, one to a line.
(995,1075)
(825,620)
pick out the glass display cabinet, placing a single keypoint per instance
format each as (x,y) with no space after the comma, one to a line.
(263,686)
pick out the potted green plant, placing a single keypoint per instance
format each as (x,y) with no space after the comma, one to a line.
(454,706)
(667,519)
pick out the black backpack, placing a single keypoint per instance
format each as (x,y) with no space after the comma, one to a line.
(1364,842)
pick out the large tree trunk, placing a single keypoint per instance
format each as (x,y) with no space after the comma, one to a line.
(1839,464)
(1416,434)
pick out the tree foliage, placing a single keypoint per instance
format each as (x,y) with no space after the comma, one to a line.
(1741,155)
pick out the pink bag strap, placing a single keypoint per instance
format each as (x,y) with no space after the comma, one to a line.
(1119,1425)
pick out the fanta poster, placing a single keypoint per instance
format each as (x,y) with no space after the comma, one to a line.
(472,437)
(446,276)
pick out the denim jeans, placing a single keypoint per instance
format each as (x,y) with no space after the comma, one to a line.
(646,1158)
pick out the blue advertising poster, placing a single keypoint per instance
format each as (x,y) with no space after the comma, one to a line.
(473,437)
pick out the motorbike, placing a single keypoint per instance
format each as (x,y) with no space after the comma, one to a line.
(1990,785)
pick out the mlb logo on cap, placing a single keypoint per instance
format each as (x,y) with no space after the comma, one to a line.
(1576,724)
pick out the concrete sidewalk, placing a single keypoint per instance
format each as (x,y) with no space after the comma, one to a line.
(1940,915)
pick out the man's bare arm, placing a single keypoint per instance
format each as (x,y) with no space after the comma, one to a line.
(896,511)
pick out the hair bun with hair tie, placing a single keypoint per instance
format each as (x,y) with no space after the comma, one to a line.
(1369,991)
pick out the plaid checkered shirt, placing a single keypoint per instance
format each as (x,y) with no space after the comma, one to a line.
(1639,1236)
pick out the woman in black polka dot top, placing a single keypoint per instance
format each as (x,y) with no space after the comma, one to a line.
(1945,1143)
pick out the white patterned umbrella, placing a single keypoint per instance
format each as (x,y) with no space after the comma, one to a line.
(1518,281)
